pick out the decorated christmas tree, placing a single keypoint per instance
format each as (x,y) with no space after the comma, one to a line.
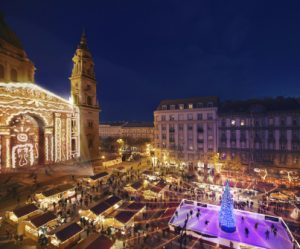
(226,214)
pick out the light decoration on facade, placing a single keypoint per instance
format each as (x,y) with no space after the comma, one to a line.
(263,173)
(226,214)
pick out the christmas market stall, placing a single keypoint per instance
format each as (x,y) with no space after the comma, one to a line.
(96,241)
(67,236)
(134,189)
(38,225)
(22,213)
(97,179)
(123,218)
(48,197)
(98,212)
(155,191)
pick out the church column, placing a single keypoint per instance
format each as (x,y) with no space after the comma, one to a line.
(5,151)
(68,136)
(57,137)
(48,145)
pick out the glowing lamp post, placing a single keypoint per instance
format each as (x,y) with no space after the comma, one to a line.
(226,214)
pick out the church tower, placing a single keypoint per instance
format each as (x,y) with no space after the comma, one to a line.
(83,94)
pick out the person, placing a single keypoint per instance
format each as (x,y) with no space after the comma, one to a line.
(242,219)
(256,225)
(246,232)
(267,234)
(206,222)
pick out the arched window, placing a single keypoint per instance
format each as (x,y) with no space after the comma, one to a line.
(1,72)
(14,75)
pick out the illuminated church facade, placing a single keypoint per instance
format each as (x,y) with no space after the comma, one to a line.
(37,126)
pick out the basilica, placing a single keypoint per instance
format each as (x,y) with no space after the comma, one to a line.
(39,127)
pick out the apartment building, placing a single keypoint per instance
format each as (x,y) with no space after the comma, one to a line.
(261,131)
(186,129)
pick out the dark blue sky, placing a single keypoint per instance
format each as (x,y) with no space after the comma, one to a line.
(146,51)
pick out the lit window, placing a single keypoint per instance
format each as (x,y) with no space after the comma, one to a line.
(232,122)
(164,107)
(190,106)
(181,106)
(242,122)
(172,107)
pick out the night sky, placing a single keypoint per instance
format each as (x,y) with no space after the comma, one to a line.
(146,51)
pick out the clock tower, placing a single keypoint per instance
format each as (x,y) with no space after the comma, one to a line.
(83,94)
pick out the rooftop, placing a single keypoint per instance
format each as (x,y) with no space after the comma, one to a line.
(99,175)
(24,210)
(8,35)
(68,231)
(125,216)
(197,102)
(104,205)
(42,219)
(57,190)
(260,105)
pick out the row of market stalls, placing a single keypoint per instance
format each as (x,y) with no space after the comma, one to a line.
(46,198)
(34,223)
(113,213)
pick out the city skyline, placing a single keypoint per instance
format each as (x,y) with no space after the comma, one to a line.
(235,51)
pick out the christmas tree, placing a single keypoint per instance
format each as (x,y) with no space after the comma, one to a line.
(226,215)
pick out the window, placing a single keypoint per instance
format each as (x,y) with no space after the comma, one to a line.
(171,128)
(190,106)
(242,122)
(233,122)
(199,128)
(90,143)
(199,116)
(210,104)
(172,107)
(223,122)
(181,106)
(282,122)
(163,118)
(164,107)
(172,117)
(271,121)
(295,121)
(190,116)
(180,127)
(163,128)
(14,75)
(90,124)
(200,105)
(181,117)
(163,136)
(190,127)
(1,72)
(89,100)
(210,116)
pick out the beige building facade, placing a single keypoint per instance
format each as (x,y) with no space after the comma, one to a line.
(186,129)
